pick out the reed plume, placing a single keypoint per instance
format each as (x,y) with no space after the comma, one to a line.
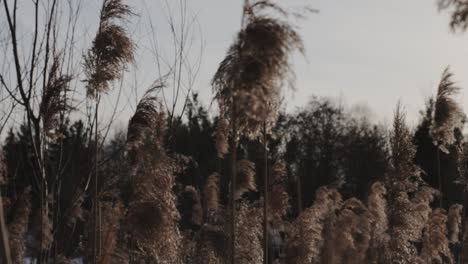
(245,178)
(378,206)
(210,245)
(460,13)
(197,210)
(447,113)
(18,228)
(53,100)
(305,241)
(111,50)
(254,69)
(454,223)
(111,215)
(152,214)
(249,232)
(278,199)
(211,197)
(408,198)
(435,242)
(147,124)
(222,137)
(349,236)
(405,175)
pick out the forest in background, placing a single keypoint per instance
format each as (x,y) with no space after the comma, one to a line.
(252,184)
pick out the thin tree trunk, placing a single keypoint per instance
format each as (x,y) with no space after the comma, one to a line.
(460,257)
(233,172)
(6,254)
(299,194)
(265,196)
(95,187)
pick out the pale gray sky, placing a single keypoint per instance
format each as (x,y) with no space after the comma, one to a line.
(359,51)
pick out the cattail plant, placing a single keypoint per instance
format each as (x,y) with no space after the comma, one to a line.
(305,240)
(448,116)
(152,212)
(111,50)
(248,81)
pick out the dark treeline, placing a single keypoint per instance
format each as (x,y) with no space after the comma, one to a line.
(249,185)
(322,145)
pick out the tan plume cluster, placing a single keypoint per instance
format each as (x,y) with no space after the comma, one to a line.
(305,236)
(211,197)
(76,212)
(348,238)
(405,175)
(454,223)
(278,199)
(197,210)
(447,113)
(111,50)
(248,228)
(222,137)
(18,228)
(210,245)
(245,180)
(249,80)
(377,205)
(111,215)
(147,126)
(153,214)
(408,218)
(53,100)
(435,243)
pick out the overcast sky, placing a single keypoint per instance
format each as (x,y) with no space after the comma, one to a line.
(359,51)
(369,52)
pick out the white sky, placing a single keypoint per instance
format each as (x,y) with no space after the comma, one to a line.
(369,52)
(360,51)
